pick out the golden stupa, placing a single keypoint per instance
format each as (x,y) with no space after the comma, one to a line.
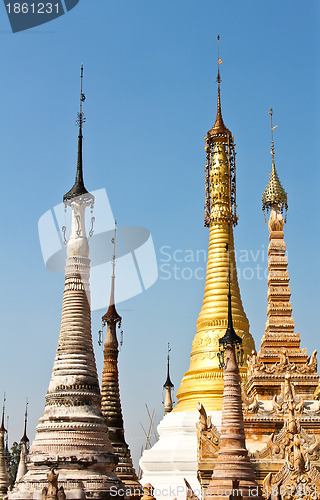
(204,380)
(281,407)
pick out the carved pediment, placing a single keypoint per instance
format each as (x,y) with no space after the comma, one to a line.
(208,436)
(249,405)
(283,444)
(256,366)
(296,479)
(287,398)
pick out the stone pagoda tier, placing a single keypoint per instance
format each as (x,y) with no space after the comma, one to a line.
(110,397)
(72,436)
(282,380)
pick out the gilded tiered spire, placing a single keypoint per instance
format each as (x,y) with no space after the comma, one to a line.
(280,346)
(110,400)
(4,478)
(72,435)
(203,381)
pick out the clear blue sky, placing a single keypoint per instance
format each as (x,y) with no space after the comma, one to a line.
(150,70)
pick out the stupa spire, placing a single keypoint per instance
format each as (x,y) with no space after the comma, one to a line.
(203,383)
(274,200)
(274,195)
(4,478)
(110,393)
(72,435)
(233,469)
(219,126)
(280,345)
(78,189)
(22,468)
(168,386)
(112,312)
(233,474)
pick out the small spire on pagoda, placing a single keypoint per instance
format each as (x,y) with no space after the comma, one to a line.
(4,478)
(168,386)
(2,428)
(219,126)
(112,314)
(22,468)
(78,189)
(25,437)
(110,392)
(274,195)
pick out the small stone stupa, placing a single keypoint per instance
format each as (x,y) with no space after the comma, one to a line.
(22,467)
(233,474)
(72,436)
(110,393)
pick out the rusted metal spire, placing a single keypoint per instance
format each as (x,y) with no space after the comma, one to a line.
(112,314)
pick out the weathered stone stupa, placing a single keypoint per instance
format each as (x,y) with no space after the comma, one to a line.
(110,395)
(22,467)
(72,436)
(233,474)
(174,456)
(282,413)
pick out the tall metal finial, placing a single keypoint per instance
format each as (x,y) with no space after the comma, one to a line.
(24,437)
(111,314)
(113,241)
(219,62)
(219,127)
(81,118)
(78,189)
(218,75)
(272,130)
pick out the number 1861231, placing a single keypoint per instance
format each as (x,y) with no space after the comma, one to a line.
(33,8)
